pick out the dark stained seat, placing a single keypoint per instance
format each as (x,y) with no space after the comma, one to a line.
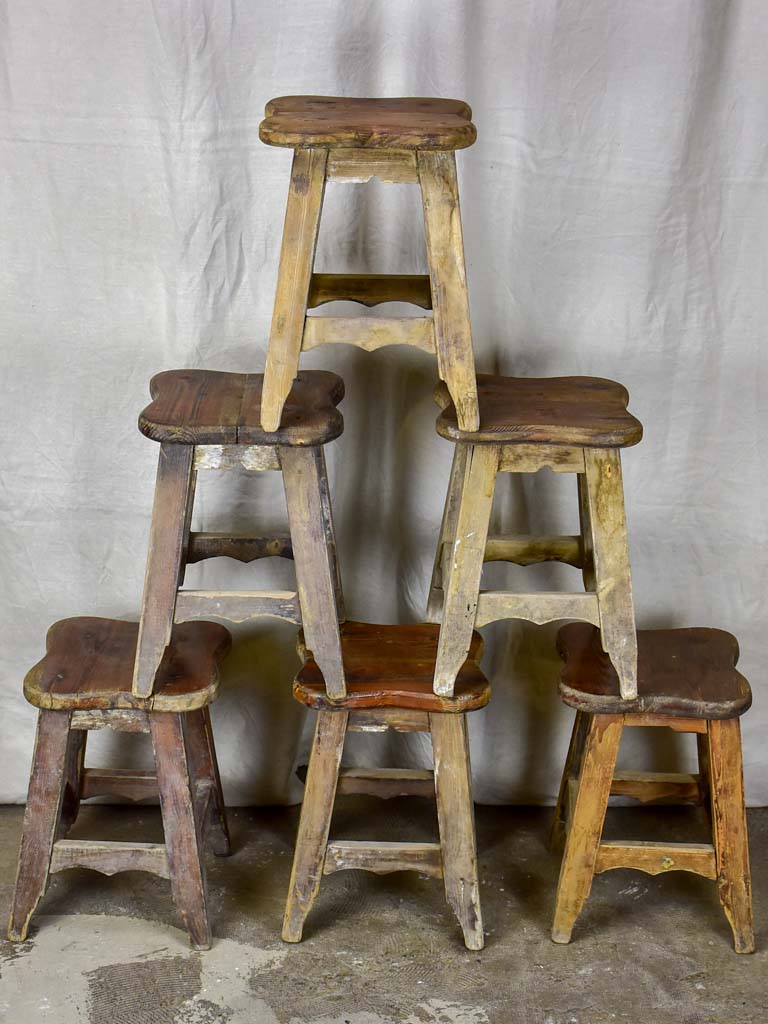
(213,407)
(393,666)
(89,665)
(686,673)
(578,411)
(396,123)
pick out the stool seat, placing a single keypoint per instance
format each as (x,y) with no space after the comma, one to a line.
(684,673)
(393,666)
(579,411)
(396,123)
(89,665)
(214,407)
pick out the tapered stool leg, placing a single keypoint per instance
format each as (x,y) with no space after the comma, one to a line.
(314,554)
(581,845)
(462,586)
(605,497)
(41,818)
(570,771)
(183,833)
(73,774)
(729,831)
(315,820)
(167,541)
(302,220)
(204,769)
(447,530)
(456,820)
(448,281)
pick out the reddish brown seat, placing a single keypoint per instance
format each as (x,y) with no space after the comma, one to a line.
(89,665)
(688,673)
(577,411)
(393,666)
(213,407)
(395,123)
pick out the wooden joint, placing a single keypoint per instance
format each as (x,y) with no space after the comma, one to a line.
(382,858)
(656,858)
(240,547)
(382,719)
(493,605)
(524,550)
(530,458)
(237,606)
(386,782)
(652,721)
(370,289)
(369,332)
(255,458)
(126,783)
(659,787)
(357,166)
(119,719)
(109,858)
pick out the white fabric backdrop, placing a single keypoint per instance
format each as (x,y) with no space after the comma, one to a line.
(616,222)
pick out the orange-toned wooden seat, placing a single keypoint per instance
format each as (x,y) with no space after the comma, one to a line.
(687,681)
(398,123)
(84,682)
(569,425)
(350,141)
(584,411)
(393,667)
(213,407)
(389,671)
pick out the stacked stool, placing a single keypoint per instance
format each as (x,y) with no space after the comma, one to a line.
(83,683)
(687,681)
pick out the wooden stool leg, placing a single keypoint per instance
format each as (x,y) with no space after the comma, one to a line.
(570,771)
(204,769)
(587,550)
(729,831)
(183,839)
(164,561)
(605,498)
(297,255)
(315,821)
(41,818)
(447,530)
(73,774)
(448,280)
(705,774)
(456,819)
(462,587)
(305,480)
(600,749)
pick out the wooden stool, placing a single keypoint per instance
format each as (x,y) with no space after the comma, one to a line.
(570,425)
(83,683)
(353,140)
(687,681)
(389,673)
(208,420)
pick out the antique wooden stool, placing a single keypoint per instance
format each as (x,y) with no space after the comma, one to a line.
(687,681)
(83,683)
(389,672)
(569,425)
(209,420)
(353,140)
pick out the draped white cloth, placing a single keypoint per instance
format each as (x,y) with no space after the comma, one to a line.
(615,225)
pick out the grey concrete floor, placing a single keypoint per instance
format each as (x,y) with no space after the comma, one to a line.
(384,950)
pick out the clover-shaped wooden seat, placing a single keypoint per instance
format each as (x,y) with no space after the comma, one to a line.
(394,123)
(213,407)
(588,411)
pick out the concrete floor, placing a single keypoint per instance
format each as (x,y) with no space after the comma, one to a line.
(384,950)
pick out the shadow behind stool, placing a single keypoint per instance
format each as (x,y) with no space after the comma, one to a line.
(83,683)
(687,681)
